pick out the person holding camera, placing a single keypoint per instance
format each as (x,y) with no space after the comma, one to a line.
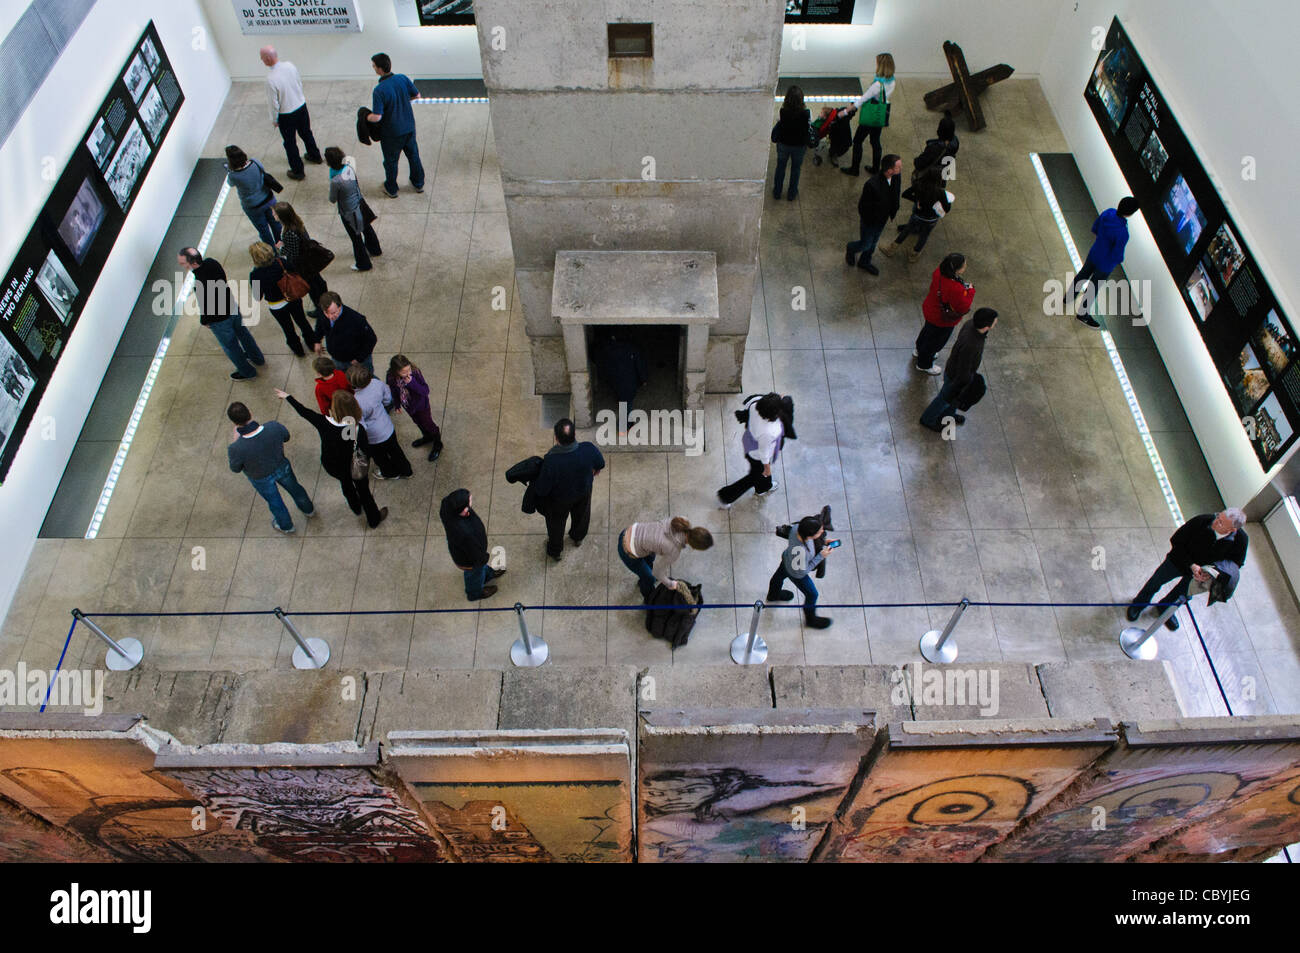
(1200,542)
(804,554)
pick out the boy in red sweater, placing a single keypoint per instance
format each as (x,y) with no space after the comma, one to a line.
(329,379)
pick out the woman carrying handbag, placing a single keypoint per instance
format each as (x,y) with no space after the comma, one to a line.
(873,115)
(345,192)
(304,255)
(343,451)
(948,301)
(255,187)
(283,291)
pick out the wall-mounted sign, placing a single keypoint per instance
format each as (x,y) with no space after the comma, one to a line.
(1251,341)
(818,11)
(59,263)
(445,12)
(297,16)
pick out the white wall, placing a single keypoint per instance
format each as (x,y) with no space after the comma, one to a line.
(1224,67)
(989,31)
(447,52)
(53,126)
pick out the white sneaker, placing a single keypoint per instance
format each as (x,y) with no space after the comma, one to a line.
(722,505)
(914,354)
(276,527)
(775,486)
(934,369)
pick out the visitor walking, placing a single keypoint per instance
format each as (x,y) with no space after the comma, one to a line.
(947,302)
(873,118)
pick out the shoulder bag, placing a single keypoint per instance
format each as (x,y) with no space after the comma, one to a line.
(314,256)
(360,462)
(293,287)
(268,180)
(875,112)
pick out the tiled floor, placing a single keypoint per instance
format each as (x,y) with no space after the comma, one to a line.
(1046,495)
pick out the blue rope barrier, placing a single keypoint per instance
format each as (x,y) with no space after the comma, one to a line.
(58,668)
(626,608)
(1205,650)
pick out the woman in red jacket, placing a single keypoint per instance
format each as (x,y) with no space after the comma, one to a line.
(948,301)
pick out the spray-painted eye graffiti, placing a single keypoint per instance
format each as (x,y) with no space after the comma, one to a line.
(972,798)
(1167,797)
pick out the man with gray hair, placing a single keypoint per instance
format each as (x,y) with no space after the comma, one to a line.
(289,110)
(1201,541)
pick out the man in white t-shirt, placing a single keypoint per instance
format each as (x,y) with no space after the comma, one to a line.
(289,110)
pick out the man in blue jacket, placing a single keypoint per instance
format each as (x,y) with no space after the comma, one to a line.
(1105,255)
(390,105)
(563,487)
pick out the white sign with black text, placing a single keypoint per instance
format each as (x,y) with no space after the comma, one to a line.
(297,16)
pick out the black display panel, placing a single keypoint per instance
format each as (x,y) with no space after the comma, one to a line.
(461,12)
(818,11)
(1250,340)
(61,259)
(445,12)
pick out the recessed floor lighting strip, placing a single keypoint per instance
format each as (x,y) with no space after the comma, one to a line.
(1116,363)
(140,402)
(450,99)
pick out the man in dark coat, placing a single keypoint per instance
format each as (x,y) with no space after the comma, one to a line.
(876,207)
(962,367)
(563,487)
(467,543)
(1202,541)
(345,333)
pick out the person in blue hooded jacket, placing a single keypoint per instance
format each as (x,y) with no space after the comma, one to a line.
(1105,255)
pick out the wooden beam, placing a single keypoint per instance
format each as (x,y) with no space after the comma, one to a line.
(949,97)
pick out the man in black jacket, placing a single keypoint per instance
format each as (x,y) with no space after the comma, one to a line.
(345,333)
(1201,541)
(219,313)
(563,487)
(877,206)
(963,364)
(467,543)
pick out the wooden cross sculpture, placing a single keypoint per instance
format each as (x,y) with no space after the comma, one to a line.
(965,88)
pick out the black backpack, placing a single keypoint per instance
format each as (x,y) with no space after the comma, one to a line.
(674,620)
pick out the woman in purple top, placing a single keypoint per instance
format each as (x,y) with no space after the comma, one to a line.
(412,394)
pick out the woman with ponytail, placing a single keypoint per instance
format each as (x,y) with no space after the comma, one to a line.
(640,543)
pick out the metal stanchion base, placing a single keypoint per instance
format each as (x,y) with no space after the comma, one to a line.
(932,652)
(319,647)
(134,651)
(519,653)
(1128,641)
(741,653)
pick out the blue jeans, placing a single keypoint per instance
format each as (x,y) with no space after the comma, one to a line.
(941,406)
(868,238)
(394,147)
(919,227)
(804,585)
(238,344)
(267,486)
(264,220)
(474,580)
(641,565)
(793,155)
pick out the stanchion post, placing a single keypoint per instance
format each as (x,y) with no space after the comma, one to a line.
(748,648)
(528,651)
(310,653)
(1139,643)
(938,647)
(122,655)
